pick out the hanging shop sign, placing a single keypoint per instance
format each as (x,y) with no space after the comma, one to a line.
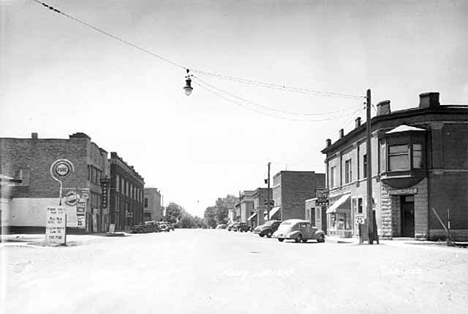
(56,223)
(105,188)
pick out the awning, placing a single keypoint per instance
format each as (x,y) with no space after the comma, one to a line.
(273,211)
(405,128)
(253,215)
(342,203)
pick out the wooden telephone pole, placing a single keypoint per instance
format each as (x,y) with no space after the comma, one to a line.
(268,192)
(370,211)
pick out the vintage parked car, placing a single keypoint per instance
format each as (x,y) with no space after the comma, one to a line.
(148,226)
(268,228)
(241,227)
(298,230)
(231,225)
(221,226)
(165,226)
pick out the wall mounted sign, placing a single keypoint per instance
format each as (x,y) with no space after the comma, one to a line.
(71,198)
(81,214)
(403,192)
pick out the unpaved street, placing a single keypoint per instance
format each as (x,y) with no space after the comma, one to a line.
(216,271)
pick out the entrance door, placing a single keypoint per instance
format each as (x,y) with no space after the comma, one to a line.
(407,216)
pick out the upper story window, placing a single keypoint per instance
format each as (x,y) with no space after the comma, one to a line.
(332,177)
(364,166)
(398,157)
(146,202)
(417,156)
(348,171)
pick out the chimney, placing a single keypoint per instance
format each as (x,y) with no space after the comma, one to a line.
(328,142)
(383,108)
(429,100)
(341,133)
(358,122)
(34,136)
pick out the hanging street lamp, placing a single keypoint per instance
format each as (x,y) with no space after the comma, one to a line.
(188,84)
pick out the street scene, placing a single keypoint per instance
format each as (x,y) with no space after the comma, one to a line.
(217,271)
(251,156)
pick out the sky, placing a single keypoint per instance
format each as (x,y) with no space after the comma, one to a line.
(59,77)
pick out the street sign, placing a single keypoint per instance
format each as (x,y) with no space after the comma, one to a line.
(360,220)
(56,226)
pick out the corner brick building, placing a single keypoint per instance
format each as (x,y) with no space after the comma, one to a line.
(28,160)
(127,194)
(290,191)
(419,172)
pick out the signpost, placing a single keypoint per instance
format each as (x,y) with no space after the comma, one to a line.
(60,170)
(56,226)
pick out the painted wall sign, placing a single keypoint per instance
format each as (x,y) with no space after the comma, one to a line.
(403,192)
(56,225)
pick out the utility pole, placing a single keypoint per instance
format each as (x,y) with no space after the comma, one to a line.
(370,213)
(268,192)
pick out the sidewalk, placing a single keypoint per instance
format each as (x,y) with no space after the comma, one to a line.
(393,242)
(72,239)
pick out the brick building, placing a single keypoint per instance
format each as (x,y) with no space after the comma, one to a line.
(28,160)
(153,209)
(290,191)
(419,172)
(260,200)
(127,194)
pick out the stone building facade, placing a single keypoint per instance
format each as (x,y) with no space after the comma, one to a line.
(419,172)
(127,194)
(29,160)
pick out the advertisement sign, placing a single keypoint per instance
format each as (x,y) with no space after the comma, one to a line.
(322,197)
(56,225)
(81,214)
(105,187)
(360,220)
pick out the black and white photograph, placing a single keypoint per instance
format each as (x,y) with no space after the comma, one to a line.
(233,156)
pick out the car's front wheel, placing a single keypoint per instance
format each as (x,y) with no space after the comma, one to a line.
(321,239)
(280,239)
(261,235)
(269,234)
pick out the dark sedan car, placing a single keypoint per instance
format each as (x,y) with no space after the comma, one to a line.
(241,227)
(148,226)
(268,228)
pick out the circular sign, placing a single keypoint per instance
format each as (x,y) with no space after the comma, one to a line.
(71,198)
(61,169)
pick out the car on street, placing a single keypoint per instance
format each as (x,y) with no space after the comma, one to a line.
(268,228)
(163,226)
(241,227)
(148,226)
(298,230)
(221,226)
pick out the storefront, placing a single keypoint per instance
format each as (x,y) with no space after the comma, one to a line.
(339,217)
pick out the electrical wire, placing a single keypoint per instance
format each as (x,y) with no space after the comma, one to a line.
(220,76)
(212,91)
(270,108)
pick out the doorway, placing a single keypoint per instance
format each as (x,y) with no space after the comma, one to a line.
(407,216)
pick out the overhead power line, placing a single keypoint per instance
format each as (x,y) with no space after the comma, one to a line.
(220,76)
(270,108)
(241,102)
